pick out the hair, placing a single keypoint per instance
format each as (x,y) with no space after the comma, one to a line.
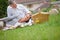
(10,2)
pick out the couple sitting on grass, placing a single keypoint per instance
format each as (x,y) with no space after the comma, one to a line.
(20,16)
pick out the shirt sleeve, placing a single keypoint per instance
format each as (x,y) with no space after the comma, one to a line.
(25,9)
(10,14)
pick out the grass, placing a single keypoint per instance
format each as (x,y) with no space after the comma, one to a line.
(45,31)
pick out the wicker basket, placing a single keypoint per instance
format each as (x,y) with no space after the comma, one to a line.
(40,17)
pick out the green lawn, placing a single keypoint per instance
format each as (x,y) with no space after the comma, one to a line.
(45,31)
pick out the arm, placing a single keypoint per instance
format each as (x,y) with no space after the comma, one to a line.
(27,17)
(27,14)
(9,15)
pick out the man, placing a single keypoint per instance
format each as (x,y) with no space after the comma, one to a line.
(19,14)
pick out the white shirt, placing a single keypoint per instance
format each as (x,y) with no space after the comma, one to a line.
(20,11)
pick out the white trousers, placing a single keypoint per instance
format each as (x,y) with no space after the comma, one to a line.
(18,24)
(23,24)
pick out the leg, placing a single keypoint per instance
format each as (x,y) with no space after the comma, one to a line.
(30,22)
(6,27)
(17,24)
(12,26)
